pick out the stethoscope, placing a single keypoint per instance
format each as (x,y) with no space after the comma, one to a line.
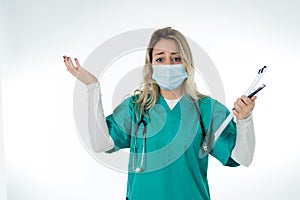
(208,139)
(142,121)
(135,154)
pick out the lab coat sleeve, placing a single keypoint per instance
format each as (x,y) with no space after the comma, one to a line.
(245,142)
(98,131)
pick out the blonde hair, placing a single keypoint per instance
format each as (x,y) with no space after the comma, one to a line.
(148,95)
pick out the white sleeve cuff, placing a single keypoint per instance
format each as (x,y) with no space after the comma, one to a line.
(93,86)
(246,121)
(245,142)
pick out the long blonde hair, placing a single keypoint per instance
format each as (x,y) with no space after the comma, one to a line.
(148,95)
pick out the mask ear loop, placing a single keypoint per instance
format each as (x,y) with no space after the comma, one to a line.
(205,149)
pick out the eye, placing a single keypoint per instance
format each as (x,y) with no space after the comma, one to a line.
(176,59)
(159,60)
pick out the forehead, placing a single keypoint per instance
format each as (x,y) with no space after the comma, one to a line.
(166,45)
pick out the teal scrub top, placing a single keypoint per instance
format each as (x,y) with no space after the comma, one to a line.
(172,168)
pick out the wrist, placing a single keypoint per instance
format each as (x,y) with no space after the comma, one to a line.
(93,85)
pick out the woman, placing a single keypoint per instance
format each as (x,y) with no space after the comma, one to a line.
(165,123)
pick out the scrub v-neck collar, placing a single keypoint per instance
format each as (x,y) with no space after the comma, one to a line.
(163,102)
(172,102)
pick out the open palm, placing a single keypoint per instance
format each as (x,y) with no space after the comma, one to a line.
(78,72)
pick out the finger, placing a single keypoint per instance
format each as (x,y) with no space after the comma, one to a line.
(236,113)
(71,67)
(245,109)
(241,103)
(246,99)
(237,107)
(65,59)
(77,64)
(71,62)
(66,62)
(68,65)
(253,98)
(249,101)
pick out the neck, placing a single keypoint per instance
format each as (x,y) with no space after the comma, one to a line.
(172,94)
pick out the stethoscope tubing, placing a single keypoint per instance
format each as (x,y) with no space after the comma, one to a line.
(206,145)
(142,121)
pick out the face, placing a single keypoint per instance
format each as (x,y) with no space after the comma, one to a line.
(166,52)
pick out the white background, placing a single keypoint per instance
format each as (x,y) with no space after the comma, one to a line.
(44,158)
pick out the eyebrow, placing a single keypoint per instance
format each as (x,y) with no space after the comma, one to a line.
(162,52)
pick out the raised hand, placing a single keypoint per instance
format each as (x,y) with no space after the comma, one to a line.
(78,72)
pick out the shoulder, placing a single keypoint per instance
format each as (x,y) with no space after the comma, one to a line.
(206,101)
(129,102)
(209,103)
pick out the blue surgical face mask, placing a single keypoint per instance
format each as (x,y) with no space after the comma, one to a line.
(169,77)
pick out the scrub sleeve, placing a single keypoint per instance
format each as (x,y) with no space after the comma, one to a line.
(119,124)
(217,113)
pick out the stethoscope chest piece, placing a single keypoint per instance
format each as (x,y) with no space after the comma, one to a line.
(138,169)
(204,146)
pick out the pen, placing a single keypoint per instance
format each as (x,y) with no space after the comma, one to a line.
(257,90)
